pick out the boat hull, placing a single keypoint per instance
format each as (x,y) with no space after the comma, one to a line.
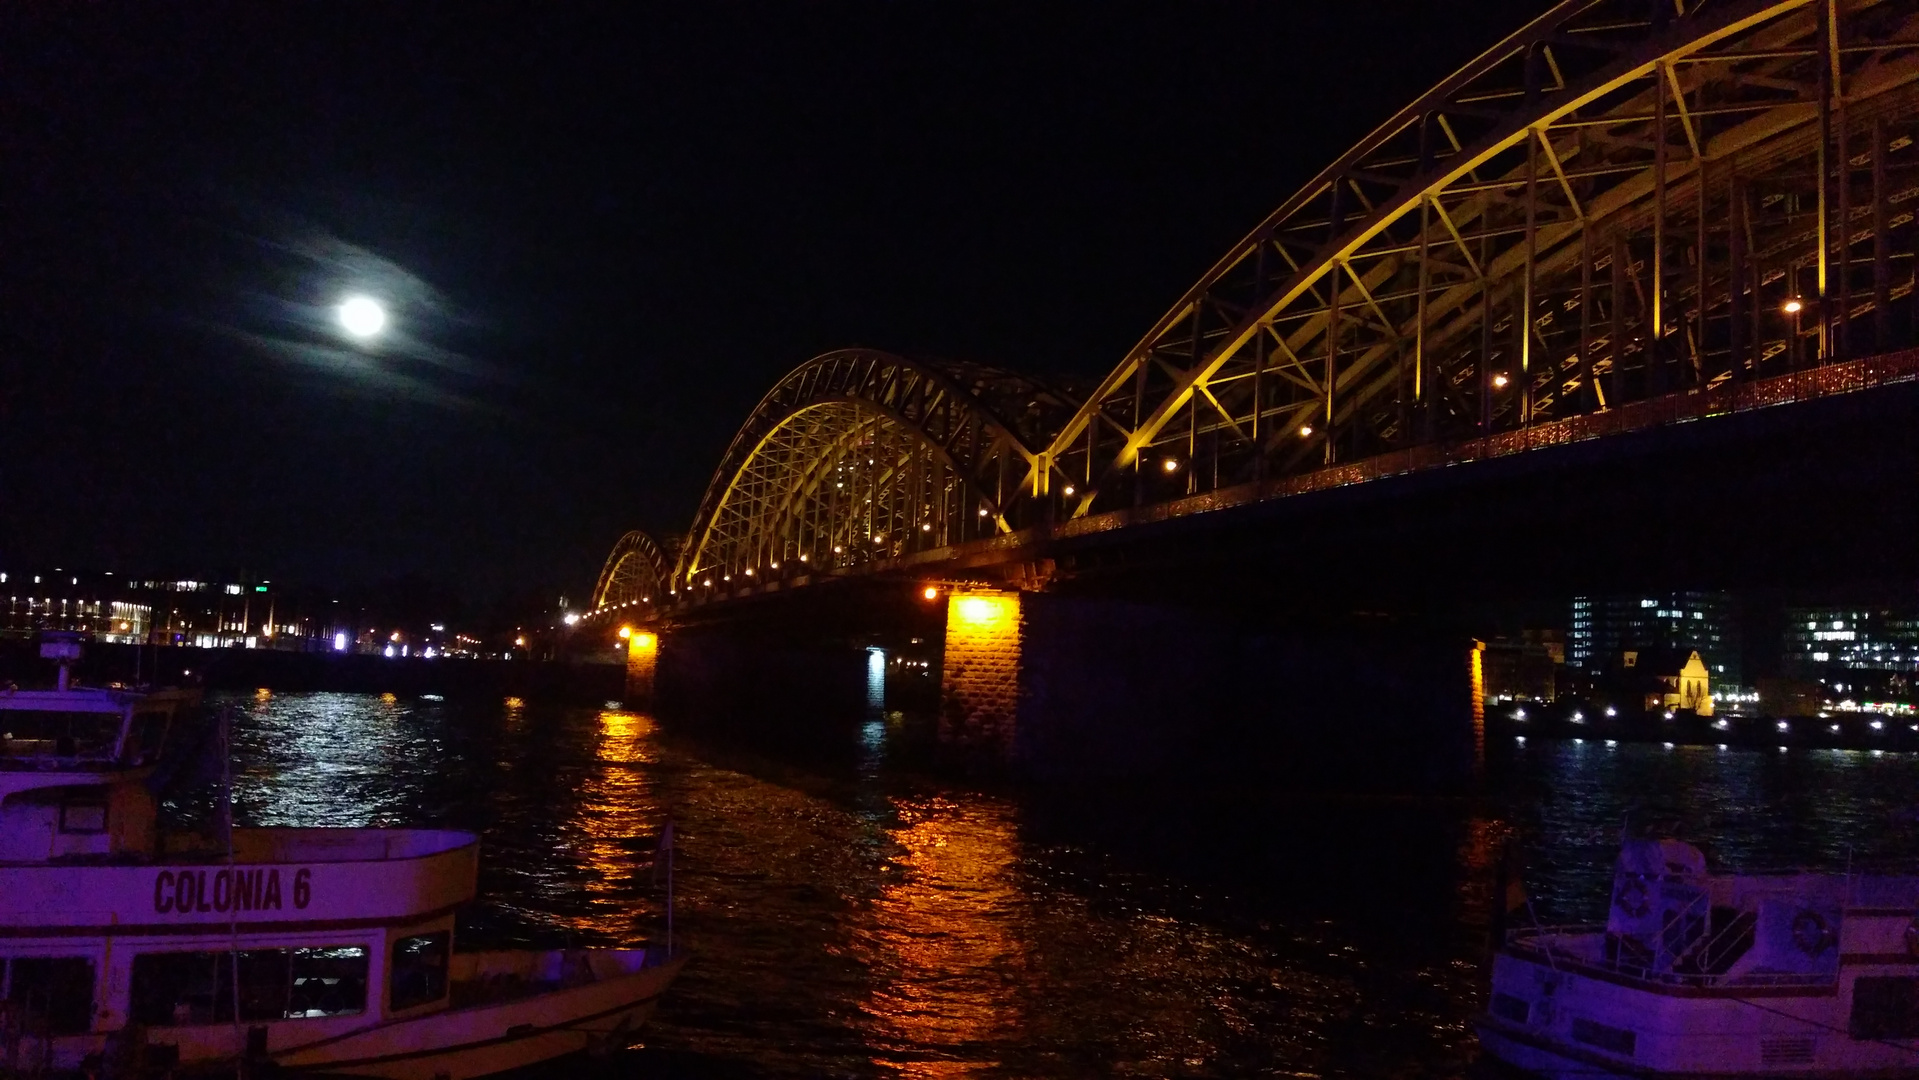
(478,1040)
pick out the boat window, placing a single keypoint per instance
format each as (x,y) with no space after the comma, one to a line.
(419,970)
(56,991)
(328,982)
(62,733)
(1620,1041)
(1885,1007)
(86,813)
(197,987)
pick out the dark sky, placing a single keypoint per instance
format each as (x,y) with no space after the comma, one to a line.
(604,231)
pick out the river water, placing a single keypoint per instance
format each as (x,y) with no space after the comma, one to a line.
(853,914)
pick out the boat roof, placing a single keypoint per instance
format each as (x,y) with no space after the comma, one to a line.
(87,698)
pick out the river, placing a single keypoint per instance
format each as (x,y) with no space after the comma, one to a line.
(855,914)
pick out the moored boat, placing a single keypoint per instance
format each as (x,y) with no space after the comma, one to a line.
(1697,974)
(324,950)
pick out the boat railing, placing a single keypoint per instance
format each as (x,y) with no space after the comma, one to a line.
(1551,944)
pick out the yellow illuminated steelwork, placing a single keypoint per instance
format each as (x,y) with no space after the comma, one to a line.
(1488,224)
(859,456)
(633,573)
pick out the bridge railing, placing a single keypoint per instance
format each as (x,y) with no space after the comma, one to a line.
(1727,398)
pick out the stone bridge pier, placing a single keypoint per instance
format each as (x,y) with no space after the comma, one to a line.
(1073,687)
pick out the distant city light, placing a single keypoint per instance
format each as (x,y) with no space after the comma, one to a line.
(931,593)
(339,642)
(362,316)
(1068,489)
(1793,306)
(626,631)
(1500,380)
(1305,430)
(571,618)
(1170,465)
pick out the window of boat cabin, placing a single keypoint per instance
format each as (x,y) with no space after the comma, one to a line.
(58,733)
(1885,1007)
(274,984)
(84,810)
(53,990)
(419,970)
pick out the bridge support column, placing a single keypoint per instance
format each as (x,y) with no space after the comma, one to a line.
(980,673)
(642,660)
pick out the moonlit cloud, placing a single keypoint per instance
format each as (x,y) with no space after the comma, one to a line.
(287,312)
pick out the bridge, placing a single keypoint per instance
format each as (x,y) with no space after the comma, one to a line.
(1628,219)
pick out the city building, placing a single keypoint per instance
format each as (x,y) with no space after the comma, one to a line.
(1602,627)
(59,600)
(1851,638)
(1857,650)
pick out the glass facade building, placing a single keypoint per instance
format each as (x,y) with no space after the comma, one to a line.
(1602,626)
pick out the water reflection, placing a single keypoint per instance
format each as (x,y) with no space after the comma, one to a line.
(862,919)
(939,939)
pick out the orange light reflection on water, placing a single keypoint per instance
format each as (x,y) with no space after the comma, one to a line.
(937,936)
(615,816)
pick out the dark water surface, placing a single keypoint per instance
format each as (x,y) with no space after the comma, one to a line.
(855,916)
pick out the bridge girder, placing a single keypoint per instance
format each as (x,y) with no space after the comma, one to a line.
(860,456)
(1487,259)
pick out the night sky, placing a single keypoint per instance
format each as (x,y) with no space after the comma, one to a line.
(602,233)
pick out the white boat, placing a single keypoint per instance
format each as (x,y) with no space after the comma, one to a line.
(1697,974)
(324,950)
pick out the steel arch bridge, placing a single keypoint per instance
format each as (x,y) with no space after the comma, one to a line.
(635,575)
(1695,204)
(858,457)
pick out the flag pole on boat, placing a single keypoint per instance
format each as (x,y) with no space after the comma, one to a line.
(665,847)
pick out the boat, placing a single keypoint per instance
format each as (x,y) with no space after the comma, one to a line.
(128,951)
(1701,974)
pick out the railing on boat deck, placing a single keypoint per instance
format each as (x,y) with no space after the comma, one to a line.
(1538,942)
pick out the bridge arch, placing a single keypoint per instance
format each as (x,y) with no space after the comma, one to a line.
(633,579)
(859,456)
(1623,200)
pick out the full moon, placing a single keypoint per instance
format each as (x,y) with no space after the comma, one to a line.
(361,316)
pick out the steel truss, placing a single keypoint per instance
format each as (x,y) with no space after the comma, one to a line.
(1626,199)
(634,577)
(858,457)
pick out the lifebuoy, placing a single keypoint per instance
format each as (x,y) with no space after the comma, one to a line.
(1812,935)
(1632,898)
